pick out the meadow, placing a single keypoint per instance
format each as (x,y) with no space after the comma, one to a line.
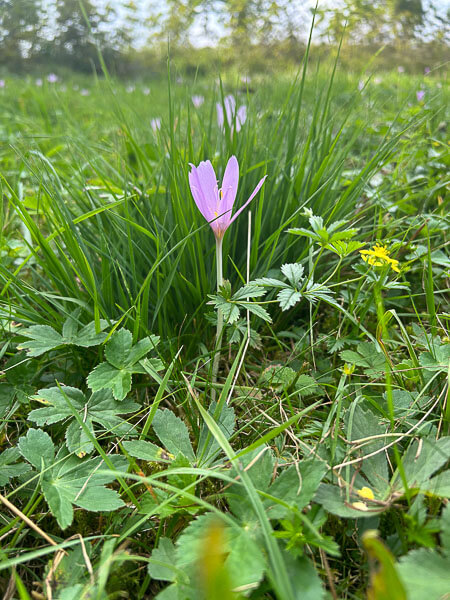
(221,410)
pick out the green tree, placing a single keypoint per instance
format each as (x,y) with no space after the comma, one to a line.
(20,27)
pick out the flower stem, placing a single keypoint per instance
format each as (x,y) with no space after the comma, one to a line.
(219,264)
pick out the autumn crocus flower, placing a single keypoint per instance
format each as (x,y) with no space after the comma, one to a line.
(231,115)
(420,95)
(216,204)
(197,100)
(155,124)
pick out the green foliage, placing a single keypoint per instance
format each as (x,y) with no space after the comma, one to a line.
(66,480)
(100,407)
(122,360)
(44,338)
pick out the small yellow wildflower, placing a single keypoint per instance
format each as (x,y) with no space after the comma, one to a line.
(348,369)
(366,493)
(379,257)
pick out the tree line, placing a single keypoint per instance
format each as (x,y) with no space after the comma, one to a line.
(68,33)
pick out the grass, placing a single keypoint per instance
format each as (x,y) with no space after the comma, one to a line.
(330,416)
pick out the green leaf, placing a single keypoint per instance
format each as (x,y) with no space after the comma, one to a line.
(296,485)
(146,451)
(230,310)
(44,338)
(425,574)
(269,282)
(161,565)
(420,465)
(334,501)
(173,433)
(288,298)
(305,580)
(100,408)
(438,360)
(366,356)
(118,348)
(69,480)
(249,291)
(9,467)
(106,375)
(293,273)
(258,311)
(37,448)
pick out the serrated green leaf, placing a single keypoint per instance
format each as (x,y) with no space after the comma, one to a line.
(37,448)
(269,282)
(106,375)
(161,565)
(258,311)
(173,434)
(43,339)
(10,467)
(288,298)
(118,348)
(249,291)
(425,574)
(146,451)
(293,273)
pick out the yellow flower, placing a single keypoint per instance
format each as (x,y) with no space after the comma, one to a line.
(348,369)
(366,493)
(379,257)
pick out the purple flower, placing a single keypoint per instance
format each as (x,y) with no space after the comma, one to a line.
(427,70)
(155,124)
(84,92)
(241,117)
(38,82)
(216,204)
(361,85)
(52,78)
(400,69)
(420,95)
(197,100)
(230,112)
(146,91)
(130,89)
(2,83)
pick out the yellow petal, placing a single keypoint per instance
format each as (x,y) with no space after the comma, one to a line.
(366,493)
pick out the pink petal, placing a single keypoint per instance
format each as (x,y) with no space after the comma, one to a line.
(219,108)
(255,191)
(203,184)
(229,191)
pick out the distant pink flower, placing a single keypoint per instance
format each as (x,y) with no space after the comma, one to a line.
(85,92)
(38,82)
(420,95)
(361,85)
(427,70)
(216,204)
(146,91)
(2,83)
(155,124)
(377,80)
(197,100)
(401,69)
(52,78)
(230,112)
(130,89)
